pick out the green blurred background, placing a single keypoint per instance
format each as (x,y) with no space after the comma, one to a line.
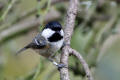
(96,36)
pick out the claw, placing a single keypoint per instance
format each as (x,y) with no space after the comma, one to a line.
(61,66)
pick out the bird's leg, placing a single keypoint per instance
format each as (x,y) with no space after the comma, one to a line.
(59,65)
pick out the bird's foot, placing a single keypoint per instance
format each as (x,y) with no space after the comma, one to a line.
(61,66)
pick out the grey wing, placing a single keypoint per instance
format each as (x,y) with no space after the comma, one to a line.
(38,42)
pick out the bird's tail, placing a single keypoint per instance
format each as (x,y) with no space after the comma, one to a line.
(23,49)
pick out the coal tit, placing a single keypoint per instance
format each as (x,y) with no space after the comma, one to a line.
(48,41)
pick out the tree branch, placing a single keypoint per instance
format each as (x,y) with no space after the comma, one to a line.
(83,62)
(69,26)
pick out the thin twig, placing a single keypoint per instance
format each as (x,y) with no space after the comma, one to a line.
(7,10)
(83,62)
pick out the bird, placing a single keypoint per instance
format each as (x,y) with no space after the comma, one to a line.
(48,42)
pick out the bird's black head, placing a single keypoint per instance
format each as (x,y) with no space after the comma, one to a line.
(54,25)
(53,31)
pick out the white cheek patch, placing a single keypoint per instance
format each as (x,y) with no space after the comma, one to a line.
(62,33)
(47,33)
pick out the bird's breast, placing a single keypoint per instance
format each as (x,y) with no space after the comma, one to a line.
(46,52)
